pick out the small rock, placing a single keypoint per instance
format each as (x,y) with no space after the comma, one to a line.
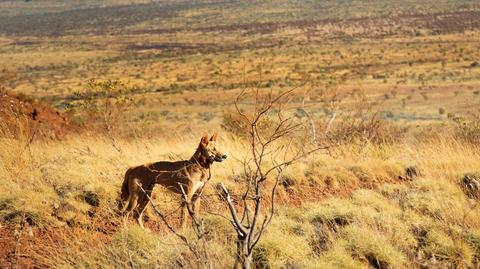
(471,185)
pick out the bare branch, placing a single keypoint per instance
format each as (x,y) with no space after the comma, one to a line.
(236,222)
(269,217)
(270,142)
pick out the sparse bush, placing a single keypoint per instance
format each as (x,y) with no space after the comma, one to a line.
(105,106)
(468,129)
(236,124)
(363,123)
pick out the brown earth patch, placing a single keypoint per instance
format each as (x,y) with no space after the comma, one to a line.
(37,119)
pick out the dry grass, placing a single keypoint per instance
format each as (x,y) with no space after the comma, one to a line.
(346,209)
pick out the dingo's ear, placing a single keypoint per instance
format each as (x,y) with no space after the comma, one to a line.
(214,137)
(204,140)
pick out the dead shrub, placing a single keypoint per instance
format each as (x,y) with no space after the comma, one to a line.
(361,121)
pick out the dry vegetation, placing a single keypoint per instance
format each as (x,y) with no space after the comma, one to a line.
(393,92)
(351,208)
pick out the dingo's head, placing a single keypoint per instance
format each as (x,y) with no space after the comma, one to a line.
(209,149)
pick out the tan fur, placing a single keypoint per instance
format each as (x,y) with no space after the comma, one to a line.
(191,175)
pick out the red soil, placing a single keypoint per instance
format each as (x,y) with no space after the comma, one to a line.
(41,120)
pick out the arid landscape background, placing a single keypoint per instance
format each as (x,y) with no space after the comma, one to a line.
(390,88)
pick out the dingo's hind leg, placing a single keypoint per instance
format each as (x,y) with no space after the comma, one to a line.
(142,204)
(132,199)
